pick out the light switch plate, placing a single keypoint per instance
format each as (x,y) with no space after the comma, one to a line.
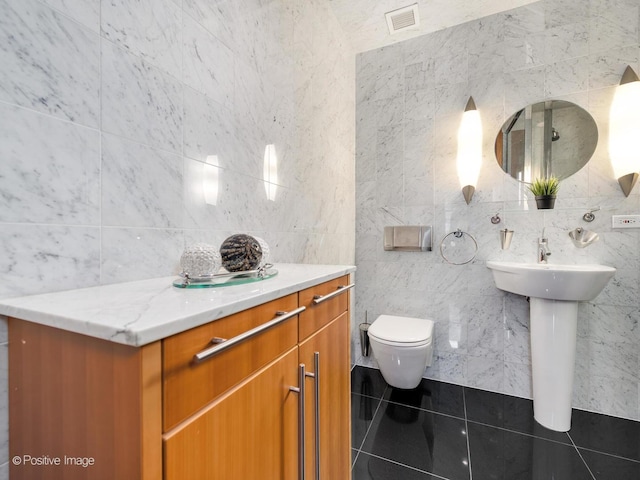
(625,221)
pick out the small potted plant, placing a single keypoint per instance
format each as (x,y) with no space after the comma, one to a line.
(545,190)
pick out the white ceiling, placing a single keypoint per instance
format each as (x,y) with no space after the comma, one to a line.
(364,21)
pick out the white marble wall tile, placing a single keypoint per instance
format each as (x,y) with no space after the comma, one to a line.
(139,101)
(209,129)
(567,41)
(208,64)
(613,396)
(517,380)
(49,62)
(484,373)
(150,29)
(41,258)
(606,68)
(134,253)
(4,471)
(486,32)
(450,338)
(383,59)
(87,12)
(385,84)
(389,111)
(524,21)
(217,17)
(522,88)
(517,345)
(486,342)
(449,367)
(50,171)
(523,53)
(614,360)
(566,77)
(4,335)
(562,12)
(141,186)
(610,24)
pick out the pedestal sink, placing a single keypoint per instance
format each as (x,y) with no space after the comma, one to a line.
(554,292)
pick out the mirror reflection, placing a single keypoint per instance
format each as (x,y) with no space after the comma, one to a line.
(551,138)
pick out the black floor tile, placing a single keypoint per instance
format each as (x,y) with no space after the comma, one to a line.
(607,467)
(497,454)
(362,410)
(511,413)
(367,381)
(602,433)
(431,395)
(421,434)
(421,439)
(368,467)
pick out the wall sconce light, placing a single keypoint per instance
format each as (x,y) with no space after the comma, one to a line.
(210,179)
(624,131)
(270,174)
(469,158)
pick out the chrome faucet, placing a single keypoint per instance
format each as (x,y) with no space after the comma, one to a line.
(543,249)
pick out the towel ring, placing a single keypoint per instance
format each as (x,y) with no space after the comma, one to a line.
(455,250)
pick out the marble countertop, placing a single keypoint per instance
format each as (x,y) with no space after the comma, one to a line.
(141,312)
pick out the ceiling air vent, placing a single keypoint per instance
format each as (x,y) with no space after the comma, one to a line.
(403,18)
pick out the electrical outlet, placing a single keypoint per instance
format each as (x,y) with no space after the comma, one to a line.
(625,221)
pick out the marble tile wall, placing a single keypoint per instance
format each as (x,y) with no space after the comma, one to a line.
(108,110)
(410,97)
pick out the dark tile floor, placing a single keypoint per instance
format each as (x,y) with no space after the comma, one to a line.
(444,431)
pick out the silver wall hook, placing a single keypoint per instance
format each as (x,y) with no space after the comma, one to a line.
(589,216)
(496,219)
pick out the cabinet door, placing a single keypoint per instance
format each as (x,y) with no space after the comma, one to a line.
(249,433)
(332,344)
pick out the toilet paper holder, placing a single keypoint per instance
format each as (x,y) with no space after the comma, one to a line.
(408,238)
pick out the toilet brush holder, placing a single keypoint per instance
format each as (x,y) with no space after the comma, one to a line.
(364,339)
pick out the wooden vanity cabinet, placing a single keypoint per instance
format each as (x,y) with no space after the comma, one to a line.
(324,326)
(152,413)
(249,433)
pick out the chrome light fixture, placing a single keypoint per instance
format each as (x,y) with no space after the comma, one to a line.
(624,131)
(469,158)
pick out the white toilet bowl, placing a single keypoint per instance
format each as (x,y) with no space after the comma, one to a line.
(403,348)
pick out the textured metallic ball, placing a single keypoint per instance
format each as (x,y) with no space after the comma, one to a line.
(199,260)
(240,253)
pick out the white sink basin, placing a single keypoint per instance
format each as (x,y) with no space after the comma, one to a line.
(553,282)
(554,292)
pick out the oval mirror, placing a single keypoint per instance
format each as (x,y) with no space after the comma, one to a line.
(551,138)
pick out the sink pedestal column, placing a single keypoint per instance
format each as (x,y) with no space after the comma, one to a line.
(553,326)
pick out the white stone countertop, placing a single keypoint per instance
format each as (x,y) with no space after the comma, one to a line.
(141,312)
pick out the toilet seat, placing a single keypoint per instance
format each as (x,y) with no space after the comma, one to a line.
(401,331)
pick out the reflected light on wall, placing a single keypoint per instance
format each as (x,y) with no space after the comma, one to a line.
(210,179)
(270,171)
(469,158)
(624,131)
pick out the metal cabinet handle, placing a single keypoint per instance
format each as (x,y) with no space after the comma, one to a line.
(341,289)
(316,378)
(301,419)
(225,344)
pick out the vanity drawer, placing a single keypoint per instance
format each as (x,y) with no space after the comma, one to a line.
(323,303)
(189,385)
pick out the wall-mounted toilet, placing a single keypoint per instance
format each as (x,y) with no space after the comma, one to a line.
(403,348)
